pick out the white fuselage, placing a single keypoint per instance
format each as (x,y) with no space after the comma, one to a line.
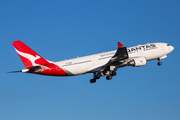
(94,63)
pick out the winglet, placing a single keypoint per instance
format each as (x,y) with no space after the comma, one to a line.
(119,44)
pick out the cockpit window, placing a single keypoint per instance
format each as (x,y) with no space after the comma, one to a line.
(168,45)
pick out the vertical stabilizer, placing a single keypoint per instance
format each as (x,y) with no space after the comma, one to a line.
(27,55)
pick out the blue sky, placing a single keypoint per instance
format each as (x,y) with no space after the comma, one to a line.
(64,29)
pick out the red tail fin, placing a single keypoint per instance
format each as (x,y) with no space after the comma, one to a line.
(27,55)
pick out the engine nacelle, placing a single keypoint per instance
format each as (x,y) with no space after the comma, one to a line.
(138,61)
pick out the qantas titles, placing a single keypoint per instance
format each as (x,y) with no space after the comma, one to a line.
(142,47)
(134,49)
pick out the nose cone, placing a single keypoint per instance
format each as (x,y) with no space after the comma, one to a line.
(171,48)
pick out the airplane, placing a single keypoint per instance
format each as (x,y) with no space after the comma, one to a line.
(101,64)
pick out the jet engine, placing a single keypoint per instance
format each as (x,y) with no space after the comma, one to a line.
(138,61)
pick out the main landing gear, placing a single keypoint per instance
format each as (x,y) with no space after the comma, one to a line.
(159,63)
(95,77)
(112,73)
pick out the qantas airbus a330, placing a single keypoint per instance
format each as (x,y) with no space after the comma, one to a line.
(102,64)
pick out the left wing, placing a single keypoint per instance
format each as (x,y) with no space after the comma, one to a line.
(120,55)
(119,59)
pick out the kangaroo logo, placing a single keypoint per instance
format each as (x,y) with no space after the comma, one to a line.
(29,57)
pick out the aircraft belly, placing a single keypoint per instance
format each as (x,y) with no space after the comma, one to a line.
(95,68)
(76,69)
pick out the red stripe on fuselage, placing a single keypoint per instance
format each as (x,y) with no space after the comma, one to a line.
(52,69)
